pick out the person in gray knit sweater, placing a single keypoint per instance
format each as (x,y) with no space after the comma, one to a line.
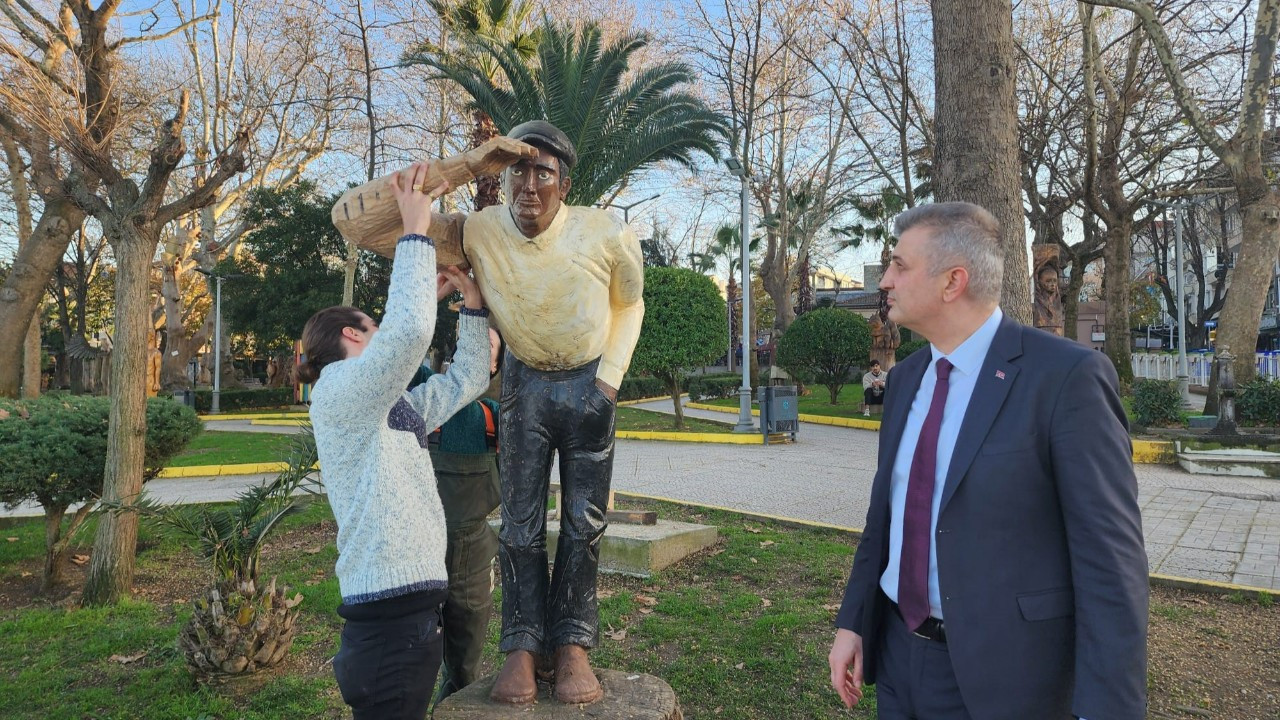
(372,440)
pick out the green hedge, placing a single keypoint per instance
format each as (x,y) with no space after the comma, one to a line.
(713,387)
(244,399)
(639,388)
(1157,402)
(907,348)
(1258,403)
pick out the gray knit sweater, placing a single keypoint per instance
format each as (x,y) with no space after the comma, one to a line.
(372,436)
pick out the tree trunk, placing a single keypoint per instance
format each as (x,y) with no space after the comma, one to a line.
(31,359)
(1071,302)
(775,283)
(1116,292)
(53,554)
(25,285)
(673,386)
(1252,275)
(976,128)
(111,572)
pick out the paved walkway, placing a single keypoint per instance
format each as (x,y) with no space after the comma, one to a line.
(1198,527)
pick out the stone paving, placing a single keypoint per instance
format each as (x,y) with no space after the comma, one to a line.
(1198,527)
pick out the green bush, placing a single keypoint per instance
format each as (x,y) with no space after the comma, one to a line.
(53,450)
(1157,402)
(907,348)
(1258,403)
(824,345)
(713,387)
(244,399)
(641,388)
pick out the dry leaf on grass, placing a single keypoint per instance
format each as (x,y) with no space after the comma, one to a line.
(757,562)
(616,634)
(767,543)
(646,611)
(4,414)
(79,559)
(11,539)
(833,606)
(606,593)
(314,550)
(739,666)
(647,600)
(766,602)
(126,659)
(751,529)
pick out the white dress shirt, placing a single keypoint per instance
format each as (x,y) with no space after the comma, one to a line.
(967,360)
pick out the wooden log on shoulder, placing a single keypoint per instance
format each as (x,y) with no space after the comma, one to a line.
(627,696)
(368,215)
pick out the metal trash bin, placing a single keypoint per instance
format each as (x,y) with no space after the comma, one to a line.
(186,397)
(779,411)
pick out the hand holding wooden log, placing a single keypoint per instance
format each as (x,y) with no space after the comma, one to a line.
(369,216)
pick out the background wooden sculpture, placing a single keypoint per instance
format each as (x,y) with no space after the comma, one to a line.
(1047,310)
(368,216)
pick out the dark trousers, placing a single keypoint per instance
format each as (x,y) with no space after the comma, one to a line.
(388,662)
(544,413)
(871,397)
(914,676)
(469,491)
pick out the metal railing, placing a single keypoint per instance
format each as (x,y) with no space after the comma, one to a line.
(1164,366)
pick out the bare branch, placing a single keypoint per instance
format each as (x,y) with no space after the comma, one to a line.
(227,165)
(168,33)
(165,157)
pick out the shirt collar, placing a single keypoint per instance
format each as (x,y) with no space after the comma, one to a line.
(969,356)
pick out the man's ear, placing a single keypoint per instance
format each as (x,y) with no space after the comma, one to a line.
(957,282)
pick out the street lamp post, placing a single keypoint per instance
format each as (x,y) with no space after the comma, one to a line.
(626,209)
(1184,376)
(745,423)
(214,409)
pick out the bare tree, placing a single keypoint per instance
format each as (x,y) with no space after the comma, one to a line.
(1242,154)
(88,121)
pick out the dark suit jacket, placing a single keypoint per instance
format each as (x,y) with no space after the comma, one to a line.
(1041,564)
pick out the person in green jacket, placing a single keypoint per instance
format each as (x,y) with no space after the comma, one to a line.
(464,455)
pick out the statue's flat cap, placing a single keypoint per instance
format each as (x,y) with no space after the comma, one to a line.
(543,134)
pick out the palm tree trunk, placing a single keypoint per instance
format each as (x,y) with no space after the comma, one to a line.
(487,186)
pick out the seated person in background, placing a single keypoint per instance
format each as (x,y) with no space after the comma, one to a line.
(873,388)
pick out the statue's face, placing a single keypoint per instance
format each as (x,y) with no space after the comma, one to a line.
(1049,281)
(534,191)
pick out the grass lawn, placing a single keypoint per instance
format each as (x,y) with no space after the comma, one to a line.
(818,402)
(740,631)
(647,420)
(218,447)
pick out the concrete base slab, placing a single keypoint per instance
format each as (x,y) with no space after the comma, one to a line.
(627,696)
(1239,462)
(641,550)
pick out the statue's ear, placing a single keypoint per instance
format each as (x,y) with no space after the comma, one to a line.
(565,183)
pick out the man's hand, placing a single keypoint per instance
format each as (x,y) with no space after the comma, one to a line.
(845,660)
(609,391)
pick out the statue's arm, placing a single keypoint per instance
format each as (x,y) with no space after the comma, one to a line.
(626,301)
(446,232)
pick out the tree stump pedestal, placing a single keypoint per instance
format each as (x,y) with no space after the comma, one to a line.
(627,696)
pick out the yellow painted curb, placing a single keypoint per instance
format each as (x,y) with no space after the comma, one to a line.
(860,423)
(722,438)
(1208,585)
(1154,452)
(628,403)
(1155,579)
(294,422)
(217,470)
(245,416)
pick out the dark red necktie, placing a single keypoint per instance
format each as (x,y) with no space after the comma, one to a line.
(917,514)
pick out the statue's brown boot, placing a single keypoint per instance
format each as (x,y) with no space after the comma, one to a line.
(516,684)
(576,683)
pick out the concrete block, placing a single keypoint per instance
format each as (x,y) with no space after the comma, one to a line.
(641,550)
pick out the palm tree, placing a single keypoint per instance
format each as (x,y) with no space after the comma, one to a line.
(577,83)
(501,22)
(726,246)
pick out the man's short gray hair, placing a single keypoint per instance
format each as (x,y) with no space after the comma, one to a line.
(963,234)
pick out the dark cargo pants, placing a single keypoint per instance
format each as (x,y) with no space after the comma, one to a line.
(469,491)
(543,413)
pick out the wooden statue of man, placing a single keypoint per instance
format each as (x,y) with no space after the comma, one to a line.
(564,285)
(1047,310)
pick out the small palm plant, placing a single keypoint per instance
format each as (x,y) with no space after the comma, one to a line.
(238,625)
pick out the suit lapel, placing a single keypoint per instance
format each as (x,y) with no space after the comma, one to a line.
(995,379)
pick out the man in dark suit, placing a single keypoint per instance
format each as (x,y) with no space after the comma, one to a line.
(1001,574)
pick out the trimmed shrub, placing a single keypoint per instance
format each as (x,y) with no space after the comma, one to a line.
(713,387)
(824,345)
(907,348)
(245,399)
(53,450)
(641,388)
(1258,403)
(1157,402)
